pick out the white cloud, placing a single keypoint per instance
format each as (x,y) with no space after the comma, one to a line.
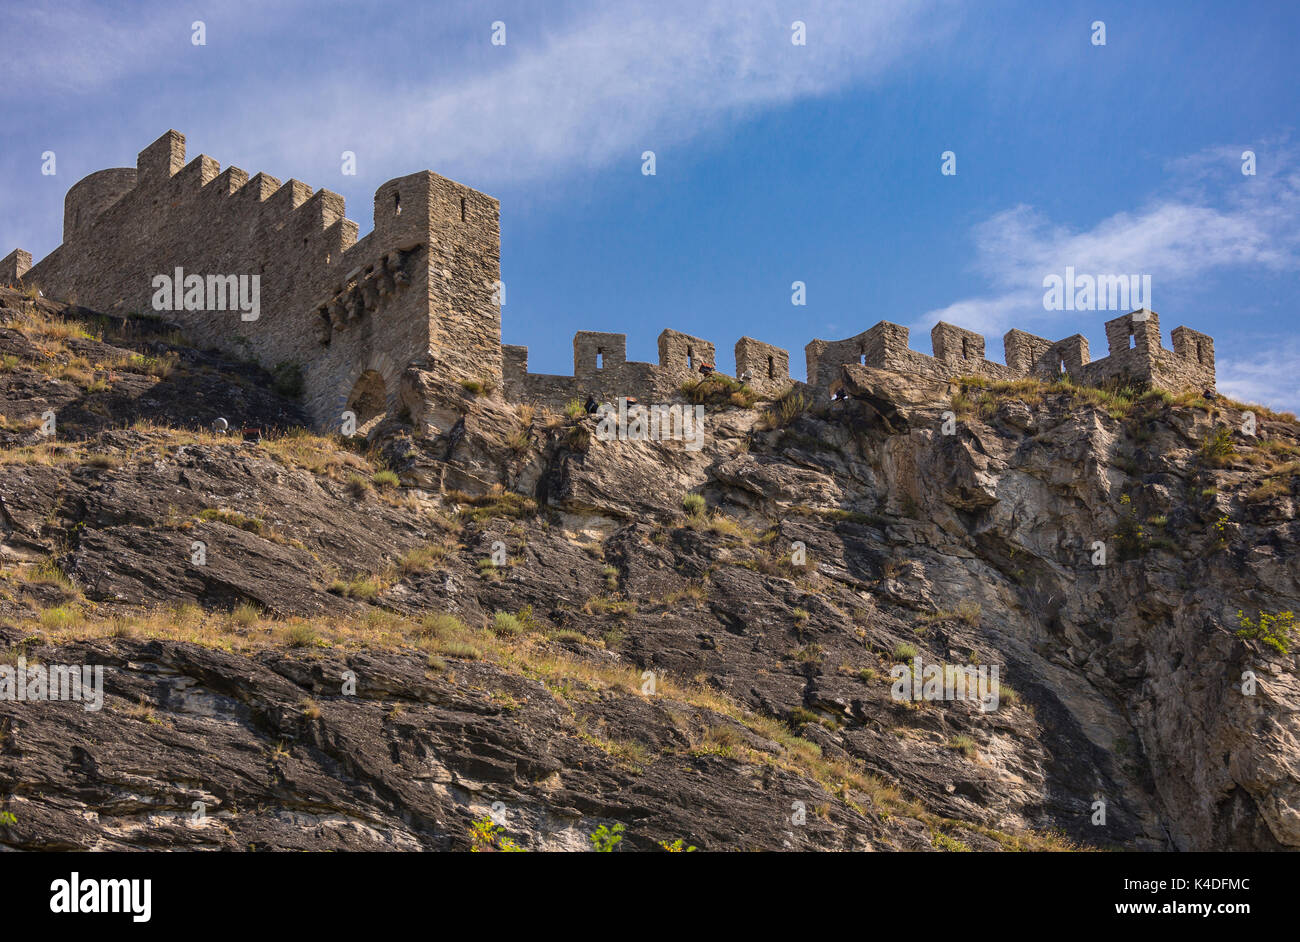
(617,81)
(1268,376)
(1181,241)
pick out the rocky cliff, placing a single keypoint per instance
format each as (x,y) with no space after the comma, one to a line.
(488,627)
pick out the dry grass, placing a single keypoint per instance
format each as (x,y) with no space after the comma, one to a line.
(981,395)
(785,410)
(497,503)
(529,654)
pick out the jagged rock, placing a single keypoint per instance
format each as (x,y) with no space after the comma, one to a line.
(974,547)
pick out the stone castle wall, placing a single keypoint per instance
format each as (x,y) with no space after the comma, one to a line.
(421,289)
(1135,355)
(601,370)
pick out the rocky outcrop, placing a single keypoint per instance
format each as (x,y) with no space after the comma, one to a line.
(911,517)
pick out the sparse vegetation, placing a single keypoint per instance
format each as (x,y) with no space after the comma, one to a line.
(965,745)
(605,839)
(1217,448)
(785,410)
(233,518)
(1273,629)
(904,652)
(497,503)
(718,390)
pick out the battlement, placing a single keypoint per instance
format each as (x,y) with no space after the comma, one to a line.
(14,266)
(601,369)
(421,287)
(1135,355)
(416,289)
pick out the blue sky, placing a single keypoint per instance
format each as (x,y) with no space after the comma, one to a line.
(775,162)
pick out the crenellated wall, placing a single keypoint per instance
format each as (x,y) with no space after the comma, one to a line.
(1135,355)
(601,369)
(421,289)
(14,267)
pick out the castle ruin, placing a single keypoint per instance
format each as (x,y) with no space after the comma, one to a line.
(422,290)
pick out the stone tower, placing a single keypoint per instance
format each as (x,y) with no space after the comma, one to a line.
(352,315)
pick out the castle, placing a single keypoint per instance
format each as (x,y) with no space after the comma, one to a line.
(422,290)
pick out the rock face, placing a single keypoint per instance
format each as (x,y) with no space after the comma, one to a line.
(720,677)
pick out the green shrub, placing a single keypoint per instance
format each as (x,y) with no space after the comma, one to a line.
(904,652)
(485,835)
(605,839)
(676,847)
(1273,630)
(506,625)
(478,387)
(1217,447)
(358,587)
(301,635)
(693,504)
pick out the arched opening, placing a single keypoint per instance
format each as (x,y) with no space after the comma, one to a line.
(368,400)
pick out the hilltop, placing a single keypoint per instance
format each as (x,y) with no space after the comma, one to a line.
(498,591)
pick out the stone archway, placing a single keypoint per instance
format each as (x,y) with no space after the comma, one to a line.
(370,392)
(368,400)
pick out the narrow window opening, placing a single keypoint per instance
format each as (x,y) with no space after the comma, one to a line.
(600,359)
(397,204)
(1132,340)
(462,209)
(1200,357)
(690,359)
(1062,367)
(771,369)
(965,350)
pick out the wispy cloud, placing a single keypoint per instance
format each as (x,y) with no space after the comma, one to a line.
(601,83)
(614,81)
(1214,221)
(1267,375)
(580,85)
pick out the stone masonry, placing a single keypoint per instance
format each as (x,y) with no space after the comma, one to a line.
(352,315)
(1135,355)
(421,290)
